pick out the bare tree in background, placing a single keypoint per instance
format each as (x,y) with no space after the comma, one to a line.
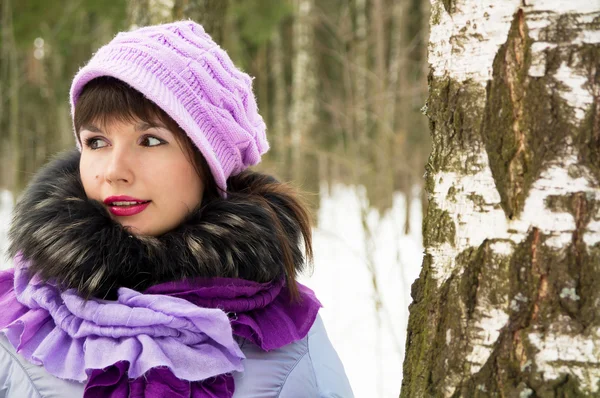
(279,112)
(360,73)
(149,12)
(303,112)
(10,148)
(507,304)
(209,13)
(383,137)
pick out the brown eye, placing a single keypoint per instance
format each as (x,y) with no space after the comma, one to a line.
(95,143)
(151,141)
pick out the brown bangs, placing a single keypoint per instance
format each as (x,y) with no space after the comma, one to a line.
(106,99)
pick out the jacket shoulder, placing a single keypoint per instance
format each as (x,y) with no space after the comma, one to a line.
(19,378)
(324,362)
(306,368)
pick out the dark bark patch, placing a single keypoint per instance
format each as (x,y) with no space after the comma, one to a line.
(587,59)
(525,121)
(449,5)
(455,111)
(424,317)
(576,280)
(438,227)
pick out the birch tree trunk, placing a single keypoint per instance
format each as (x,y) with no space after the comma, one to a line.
(149,12)
(10,80)
(397,106)
(508,300)
(304,83)
(384,132)
(209,13)
(279,114)
(360,78)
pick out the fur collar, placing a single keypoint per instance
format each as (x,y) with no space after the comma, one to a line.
(74,241)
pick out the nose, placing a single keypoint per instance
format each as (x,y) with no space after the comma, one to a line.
(118,168)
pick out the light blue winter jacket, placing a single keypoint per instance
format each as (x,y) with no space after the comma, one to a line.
(306,368)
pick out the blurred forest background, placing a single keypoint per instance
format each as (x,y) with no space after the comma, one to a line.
(340,83)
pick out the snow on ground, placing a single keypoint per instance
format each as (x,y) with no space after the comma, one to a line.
(369,342)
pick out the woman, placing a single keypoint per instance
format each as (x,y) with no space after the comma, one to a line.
(151,262)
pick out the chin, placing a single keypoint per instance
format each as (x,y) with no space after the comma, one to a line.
(136,229)
(139,228)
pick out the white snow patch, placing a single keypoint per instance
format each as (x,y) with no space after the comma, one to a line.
(369,343)
(575,355)
(488,330)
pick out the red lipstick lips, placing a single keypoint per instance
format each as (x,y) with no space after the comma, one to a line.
(123,205)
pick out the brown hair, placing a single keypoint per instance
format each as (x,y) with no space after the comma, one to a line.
(106,99)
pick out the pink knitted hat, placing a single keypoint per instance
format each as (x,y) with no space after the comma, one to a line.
(183,71)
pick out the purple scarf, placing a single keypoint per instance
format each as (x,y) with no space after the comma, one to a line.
(175,339)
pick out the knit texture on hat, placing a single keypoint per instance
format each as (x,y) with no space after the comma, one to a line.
(181,69)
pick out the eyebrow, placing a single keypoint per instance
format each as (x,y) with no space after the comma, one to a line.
(142,126)
(91,127)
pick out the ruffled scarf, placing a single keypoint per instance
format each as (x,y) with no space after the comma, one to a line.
(174,338)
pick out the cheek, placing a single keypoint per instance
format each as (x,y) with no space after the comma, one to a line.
(184,184)
(90,176)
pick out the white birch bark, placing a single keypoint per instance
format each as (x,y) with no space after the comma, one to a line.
(361,70)
(149,12)
(303,115)
(397,104)
(397,61)
(505,305)
(280,120)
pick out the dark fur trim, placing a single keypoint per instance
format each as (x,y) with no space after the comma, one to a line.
(73,240)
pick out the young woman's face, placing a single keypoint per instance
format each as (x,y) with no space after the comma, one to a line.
(122,163)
